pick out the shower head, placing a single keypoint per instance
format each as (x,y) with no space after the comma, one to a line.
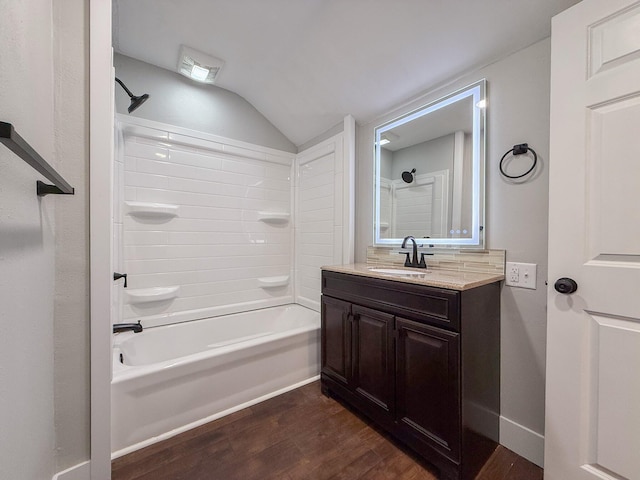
(135,100)
(408,176)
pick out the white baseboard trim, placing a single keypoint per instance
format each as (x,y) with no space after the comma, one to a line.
(82,471)
(522,440)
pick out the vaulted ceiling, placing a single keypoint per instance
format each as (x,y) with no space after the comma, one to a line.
(305,64)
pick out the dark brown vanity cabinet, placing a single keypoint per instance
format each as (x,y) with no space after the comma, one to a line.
(336,340)
(427,385)
(421,362)
(356,350)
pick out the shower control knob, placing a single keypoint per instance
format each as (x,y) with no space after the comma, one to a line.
(565,285)
(118,276)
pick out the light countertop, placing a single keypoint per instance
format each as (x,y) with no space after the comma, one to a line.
(453,280)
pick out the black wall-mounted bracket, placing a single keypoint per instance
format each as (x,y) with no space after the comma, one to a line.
(43,189)
(14,142)
(520,149)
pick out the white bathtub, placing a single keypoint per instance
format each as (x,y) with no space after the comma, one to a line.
(169,379)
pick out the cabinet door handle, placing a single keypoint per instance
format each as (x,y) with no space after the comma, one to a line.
(350,317)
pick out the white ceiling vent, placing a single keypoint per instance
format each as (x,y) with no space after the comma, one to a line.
(198,66)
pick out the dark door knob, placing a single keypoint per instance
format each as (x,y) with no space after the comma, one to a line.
(565,285)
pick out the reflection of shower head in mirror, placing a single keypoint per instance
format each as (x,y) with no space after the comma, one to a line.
(408,176)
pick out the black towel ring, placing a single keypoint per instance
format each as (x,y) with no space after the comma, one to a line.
(519,150)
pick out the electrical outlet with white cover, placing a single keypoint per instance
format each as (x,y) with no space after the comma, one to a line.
(521,275)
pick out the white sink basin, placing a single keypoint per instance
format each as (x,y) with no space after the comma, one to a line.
(399,271)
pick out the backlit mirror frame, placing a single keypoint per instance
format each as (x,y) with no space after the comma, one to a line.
(477,92)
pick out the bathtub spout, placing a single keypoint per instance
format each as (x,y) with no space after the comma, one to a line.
(123,327)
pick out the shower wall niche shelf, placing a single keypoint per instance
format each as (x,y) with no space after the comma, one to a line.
(274,217)
(151,210)
(140,296)
(272,282)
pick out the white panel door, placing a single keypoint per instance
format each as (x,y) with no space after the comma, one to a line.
(593,345)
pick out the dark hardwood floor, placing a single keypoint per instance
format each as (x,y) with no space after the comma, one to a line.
(299,435)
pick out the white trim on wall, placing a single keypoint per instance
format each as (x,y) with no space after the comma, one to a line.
(349,191)
(458,175)
(522,440)
(141,127)
(101,104)
(82,471)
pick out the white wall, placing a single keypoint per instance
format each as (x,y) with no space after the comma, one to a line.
(44,348)
(177,100)
(71,332)
(516,220)
(27,246)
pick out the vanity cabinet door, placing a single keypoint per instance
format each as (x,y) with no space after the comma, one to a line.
(373,356)
(336,339)
(428,386)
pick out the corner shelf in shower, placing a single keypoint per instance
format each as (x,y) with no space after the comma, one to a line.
(151,210)
(139,296)
(272,282)
(274,217)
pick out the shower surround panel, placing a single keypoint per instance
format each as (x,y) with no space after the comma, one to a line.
(319,195)
(230,246)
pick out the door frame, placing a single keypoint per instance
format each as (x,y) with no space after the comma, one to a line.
(100,238)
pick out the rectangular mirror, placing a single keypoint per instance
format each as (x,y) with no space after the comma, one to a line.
(429,172)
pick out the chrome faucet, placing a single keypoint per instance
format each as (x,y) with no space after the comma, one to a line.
(123,327)
(414,263)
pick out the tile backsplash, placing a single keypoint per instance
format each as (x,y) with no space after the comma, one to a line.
(481,261)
